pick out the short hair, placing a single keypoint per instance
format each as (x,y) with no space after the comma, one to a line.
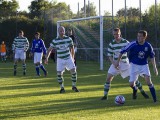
(70,29)
(61,27)
(21,31)
(37,33)
(144,32)
(117,30)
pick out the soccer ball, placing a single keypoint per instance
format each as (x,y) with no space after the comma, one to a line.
(119,100)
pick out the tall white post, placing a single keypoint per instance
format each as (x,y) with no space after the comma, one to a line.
(101,42)
(58,25)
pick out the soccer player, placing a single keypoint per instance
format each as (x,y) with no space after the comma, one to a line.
(70,34)
(38,49)
(3,51)
(65,58)
(20,46)
(113,52)
(139,52)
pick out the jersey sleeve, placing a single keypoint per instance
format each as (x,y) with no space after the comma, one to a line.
(33,47)
(44,47)
(127,47)
(110,50)
(26,45)
(152,54)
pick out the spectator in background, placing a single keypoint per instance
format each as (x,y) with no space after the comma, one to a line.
(3,51)
(70,34)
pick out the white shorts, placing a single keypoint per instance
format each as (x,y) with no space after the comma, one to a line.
(38,57)
(136,70)
(3,53)
(65,63)
(20,54)
(123,69)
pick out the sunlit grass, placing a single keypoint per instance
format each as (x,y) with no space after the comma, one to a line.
(38,98)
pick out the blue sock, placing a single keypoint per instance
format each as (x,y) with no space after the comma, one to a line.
(42,67)
(37,70)
(153,93)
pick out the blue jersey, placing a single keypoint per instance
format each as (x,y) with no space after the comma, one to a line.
(138,54)
(38,46)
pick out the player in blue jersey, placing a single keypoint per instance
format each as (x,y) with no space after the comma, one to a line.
(38,49)
(113,52)
(65,58)
(139,52)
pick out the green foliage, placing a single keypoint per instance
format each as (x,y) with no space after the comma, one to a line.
(38,98)
(8,8)
(90,10)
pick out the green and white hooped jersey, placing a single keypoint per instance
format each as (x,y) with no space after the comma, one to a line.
(115,48)
(20,43)
(62,46)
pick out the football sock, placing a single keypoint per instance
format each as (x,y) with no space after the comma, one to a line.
(60,80)
(37,69)
(139,85)
(74,79)
(153,93)
(24,67)
(42,67)
(15,67)
(107,86)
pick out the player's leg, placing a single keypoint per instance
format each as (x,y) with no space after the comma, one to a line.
(23,59)
(16,58)
(133,78)
(39,62)
(71,66)
(74,79)
(151,87)
(107,86)
(60,70)
(139,86)
(36,63)
(111,73)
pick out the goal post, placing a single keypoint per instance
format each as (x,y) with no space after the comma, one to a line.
(100,33)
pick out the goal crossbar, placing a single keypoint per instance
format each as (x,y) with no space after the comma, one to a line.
(101,33)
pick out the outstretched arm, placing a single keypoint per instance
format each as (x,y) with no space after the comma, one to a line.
(48,54)
(154,66)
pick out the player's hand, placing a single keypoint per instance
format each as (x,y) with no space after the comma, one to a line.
(116,64)
(155,70)
(46,61)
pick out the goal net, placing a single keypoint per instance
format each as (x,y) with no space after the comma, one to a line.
(88,34)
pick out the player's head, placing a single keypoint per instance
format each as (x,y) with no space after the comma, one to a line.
(141,36)
(2,42)
(21,33)
(117,33)
(37,35)
(69,31)
(61,31)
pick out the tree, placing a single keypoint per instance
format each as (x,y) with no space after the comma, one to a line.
(129,12)
(8,8)
(90,10)
(37,7)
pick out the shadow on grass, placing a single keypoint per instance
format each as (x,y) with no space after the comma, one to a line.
(70,105)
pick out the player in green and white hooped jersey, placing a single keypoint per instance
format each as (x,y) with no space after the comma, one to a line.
(113,53)
(20,46)
(65,58)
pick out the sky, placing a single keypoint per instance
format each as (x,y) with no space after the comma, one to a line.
(106,5)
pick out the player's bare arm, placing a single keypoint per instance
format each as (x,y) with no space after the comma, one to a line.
(47,55)
(154,66)
(72,51)
(119,58)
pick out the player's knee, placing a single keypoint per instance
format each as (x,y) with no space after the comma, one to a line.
(131,84)
(73,70)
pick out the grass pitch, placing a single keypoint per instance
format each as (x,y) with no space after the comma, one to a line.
(38,98)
